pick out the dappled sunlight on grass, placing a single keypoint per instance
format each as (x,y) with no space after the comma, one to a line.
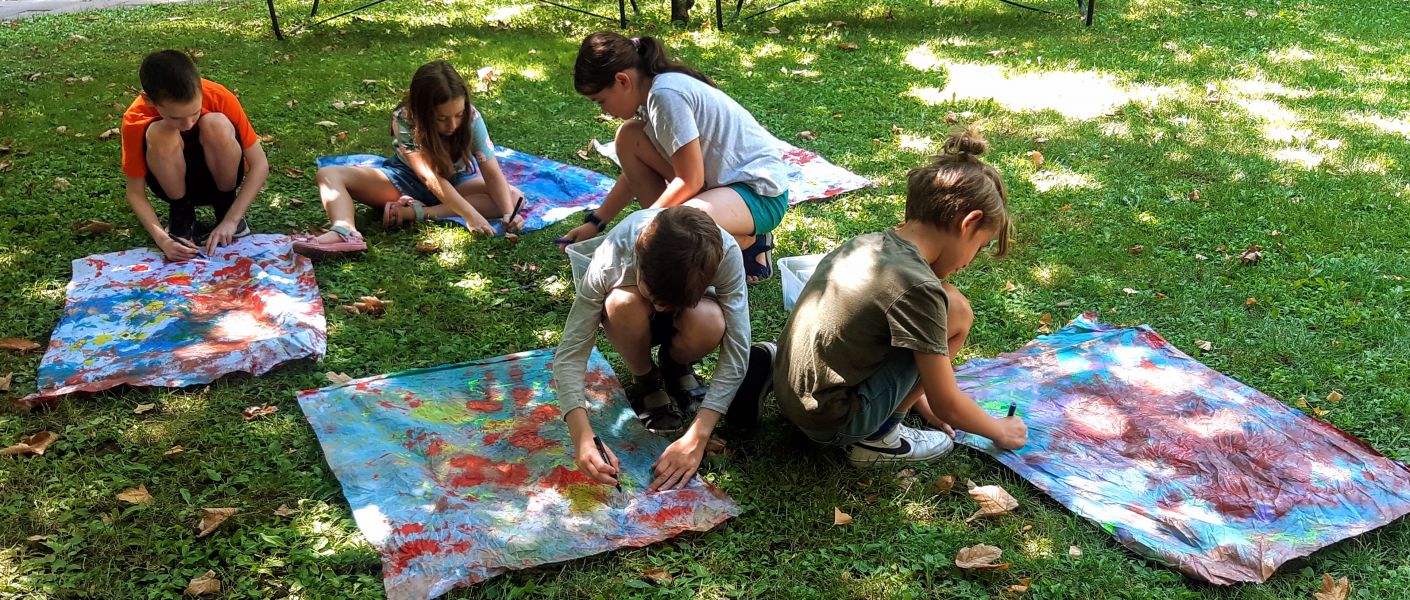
(1051,179)
(1038,546)
(1078,95)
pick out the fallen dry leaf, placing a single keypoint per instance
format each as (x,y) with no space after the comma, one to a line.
(340,136)
(1009,286)
(37,538)
(848,46)
(1026,529)
(1074,552)
(771,31)
(993,500)
(840,518)
(807,135)
(254,412)
(980,556)
(1036,157)
(93,226)
(1205,345)
(292,173)
(583,154)
(1333,589)
(174,450)
(838,24)
(337,378)
(1136,249)
(1021,586)
(283,511)
(18,344)
(5,381)
(1131,291)
(142,408)
(943,485)
(487,74)
(1335,396)
(109,133)
(137,495)
(1195,196)
(62,129)
(999,52)
(717,447)
(951,118)
(61,184)
(292,103)
(1251,301)
(370,82)
(350,309)
(1252,255)
(372,306)
(511,237)
(340,105)
(658,576)
(326,124)
(211,518)
(1063,304)
(427,247)
(6,165)
(205,584)
(1045,323)
(34,445)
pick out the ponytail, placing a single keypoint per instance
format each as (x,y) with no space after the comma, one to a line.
(605,54)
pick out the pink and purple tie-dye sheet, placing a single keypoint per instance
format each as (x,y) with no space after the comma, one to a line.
(552,190)
(810,176)
(460,472)
(1184,465)
(134,318)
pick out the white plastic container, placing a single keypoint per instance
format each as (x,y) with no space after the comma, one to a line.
(580,256)
(795,270)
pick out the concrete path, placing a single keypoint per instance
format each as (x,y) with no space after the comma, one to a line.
(19,9)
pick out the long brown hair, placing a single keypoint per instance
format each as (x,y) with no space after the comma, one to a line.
(434,84)
(605,54)
(957,182)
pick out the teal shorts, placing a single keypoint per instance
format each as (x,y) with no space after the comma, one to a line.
(766,210)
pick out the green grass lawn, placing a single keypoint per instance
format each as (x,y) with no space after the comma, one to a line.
(1289,118)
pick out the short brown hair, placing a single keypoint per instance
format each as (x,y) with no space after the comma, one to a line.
(957,182)
(677,256)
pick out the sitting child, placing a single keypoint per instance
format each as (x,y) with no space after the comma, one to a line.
(444,166)
(874,329)
(188,140)
(646,286)
(684,142)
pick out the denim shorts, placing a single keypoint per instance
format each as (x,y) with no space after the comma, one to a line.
(409,183)
(878,397)
(766,210)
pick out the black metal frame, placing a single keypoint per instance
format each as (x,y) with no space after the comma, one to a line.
(279,34)
(1086,7)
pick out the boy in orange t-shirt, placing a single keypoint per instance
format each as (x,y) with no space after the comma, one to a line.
(189,141)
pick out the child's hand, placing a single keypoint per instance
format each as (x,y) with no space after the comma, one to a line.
(590,462)
(677,464)
(177,249)
(223,234)
(480,226)
(1013,434)
(586,231)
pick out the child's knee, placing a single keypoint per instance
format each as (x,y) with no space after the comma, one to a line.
(163,139)
(960,315)
(629,131)
(216,127)
(704,324)
(622,304)
(326,175)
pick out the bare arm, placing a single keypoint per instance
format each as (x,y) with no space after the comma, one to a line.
(137,199)
(689,169)
(445,192)
(254,182)
(495,182)
(950,403)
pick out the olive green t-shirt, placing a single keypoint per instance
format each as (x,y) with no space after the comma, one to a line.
(874,293)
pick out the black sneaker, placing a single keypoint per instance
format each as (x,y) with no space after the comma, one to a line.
(747,408)
(181,222)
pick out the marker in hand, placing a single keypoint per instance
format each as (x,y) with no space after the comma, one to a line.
(1013,407)
(601,449)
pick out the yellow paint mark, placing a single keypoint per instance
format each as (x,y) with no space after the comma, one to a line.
(583,497)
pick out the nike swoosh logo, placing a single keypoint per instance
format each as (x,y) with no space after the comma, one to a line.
(904,448)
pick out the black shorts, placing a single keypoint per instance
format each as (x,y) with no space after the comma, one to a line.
(200,183)
(663,328)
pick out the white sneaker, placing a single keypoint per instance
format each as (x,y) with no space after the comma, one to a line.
(902,445)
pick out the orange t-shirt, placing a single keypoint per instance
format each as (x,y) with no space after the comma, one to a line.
(214,98)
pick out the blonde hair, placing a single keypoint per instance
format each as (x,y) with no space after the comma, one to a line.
(957,182)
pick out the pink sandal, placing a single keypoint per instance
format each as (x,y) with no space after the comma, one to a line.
(391,214)
(351,242)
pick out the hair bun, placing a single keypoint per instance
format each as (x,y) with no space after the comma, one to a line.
(966,141)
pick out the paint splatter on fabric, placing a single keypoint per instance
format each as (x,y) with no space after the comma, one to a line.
(1182,464)
(461,472)
(810,176)
(552,190)
(133,318)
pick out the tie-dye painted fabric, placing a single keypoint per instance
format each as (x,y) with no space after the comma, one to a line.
(133,318)
(1184,465)
(810,176)
(460,472)
(552,190)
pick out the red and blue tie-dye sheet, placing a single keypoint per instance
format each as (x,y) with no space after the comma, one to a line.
(552,190)
(1184,465)
(810,176)
(134,318)
(460,472)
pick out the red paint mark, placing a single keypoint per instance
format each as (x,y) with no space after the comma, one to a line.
(435,448)
(476,470)
(460,547)
(139,268)
(661,517)
(483,406)
(561,477)
(492,438)
(409,529)
(402,556)
(522,395)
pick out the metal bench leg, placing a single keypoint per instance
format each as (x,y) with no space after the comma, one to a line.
(274,21)
(621,11)
(1091,8)
(719,16)
(313,13)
